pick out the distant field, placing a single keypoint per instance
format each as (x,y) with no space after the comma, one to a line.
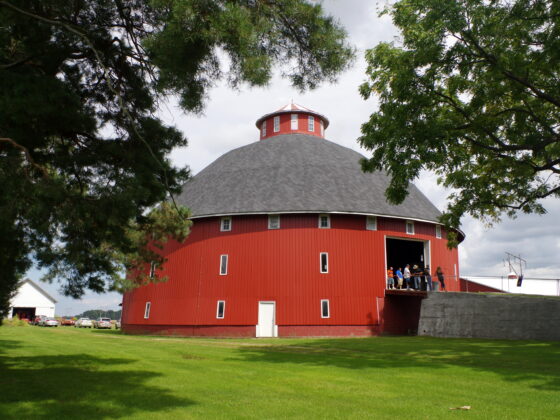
(66,373)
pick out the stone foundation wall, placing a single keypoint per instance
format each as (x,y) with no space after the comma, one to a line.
(490,316)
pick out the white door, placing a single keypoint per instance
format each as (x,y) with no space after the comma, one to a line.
(266,327)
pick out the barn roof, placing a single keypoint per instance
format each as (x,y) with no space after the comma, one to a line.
(296,173)
(37,287)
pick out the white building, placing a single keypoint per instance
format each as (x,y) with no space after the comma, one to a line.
(31,301)
(529,286)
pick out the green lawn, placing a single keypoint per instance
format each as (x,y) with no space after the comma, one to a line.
(66,373)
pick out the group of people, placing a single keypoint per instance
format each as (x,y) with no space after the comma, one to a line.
(414,278)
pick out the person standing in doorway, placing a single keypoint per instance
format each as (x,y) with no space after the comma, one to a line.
(428,277)
(441,279)
(416,273)
(399,275)
(390,279)
(407,276)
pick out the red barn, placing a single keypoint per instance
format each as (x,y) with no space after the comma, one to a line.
(290,238)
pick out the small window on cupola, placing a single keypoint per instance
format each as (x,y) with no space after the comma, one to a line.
(263,128)
(277,124)
(310,123)
(294,122)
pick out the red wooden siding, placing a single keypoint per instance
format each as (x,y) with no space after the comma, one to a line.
(286,128)
(280,265)
(471,286)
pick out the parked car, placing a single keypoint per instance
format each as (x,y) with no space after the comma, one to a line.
(83,323)
(103,323)
(67,321)
(50,322)
(37,320)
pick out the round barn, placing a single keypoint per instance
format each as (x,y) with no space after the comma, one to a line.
(291,238)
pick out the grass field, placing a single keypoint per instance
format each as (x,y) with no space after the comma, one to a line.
(66,373)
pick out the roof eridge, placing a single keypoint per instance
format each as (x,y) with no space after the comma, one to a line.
(292,109)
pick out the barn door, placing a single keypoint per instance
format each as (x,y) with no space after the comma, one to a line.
(267,317)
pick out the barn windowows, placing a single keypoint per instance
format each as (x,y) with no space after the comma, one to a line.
(325,310)
(223,265)
(324,262)
(221,309)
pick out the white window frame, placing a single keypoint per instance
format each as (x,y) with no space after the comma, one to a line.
(294,122)
(147,310)
(409,223)
(224,228)
(224,264)
(263,129)
(371,222)
(152,269)
(326,254)
(271,217)
(277,124)
(438,231)
(322,128)
(310,123)
(328,308)
(328,221)
(223,303)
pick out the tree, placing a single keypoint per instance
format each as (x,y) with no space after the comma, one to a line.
(473,94)
(83,155)
(100,313)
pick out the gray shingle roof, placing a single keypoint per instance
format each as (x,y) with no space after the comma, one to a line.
(296,173)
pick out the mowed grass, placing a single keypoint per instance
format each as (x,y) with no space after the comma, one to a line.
(66,373)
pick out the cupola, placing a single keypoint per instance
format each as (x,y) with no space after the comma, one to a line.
(292,119)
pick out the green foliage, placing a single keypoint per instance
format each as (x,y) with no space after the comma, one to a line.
(83,158)
(15,322)
(164,223)
(100,313)
(473,94)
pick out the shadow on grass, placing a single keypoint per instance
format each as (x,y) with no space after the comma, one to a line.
(536,362)
(78,386)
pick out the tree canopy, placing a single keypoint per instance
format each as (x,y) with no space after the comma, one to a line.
(83,155)
(471,92)
(100,313)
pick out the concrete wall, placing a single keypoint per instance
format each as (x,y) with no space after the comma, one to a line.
(490,316)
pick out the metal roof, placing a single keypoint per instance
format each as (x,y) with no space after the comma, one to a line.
(292,109)
(296,173)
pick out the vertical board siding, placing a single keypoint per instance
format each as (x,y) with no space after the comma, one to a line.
(286,127)
(280,265)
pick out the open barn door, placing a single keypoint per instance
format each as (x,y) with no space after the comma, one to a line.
(400,252)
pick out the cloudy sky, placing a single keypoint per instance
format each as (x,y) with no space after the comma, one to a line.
(229,122)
